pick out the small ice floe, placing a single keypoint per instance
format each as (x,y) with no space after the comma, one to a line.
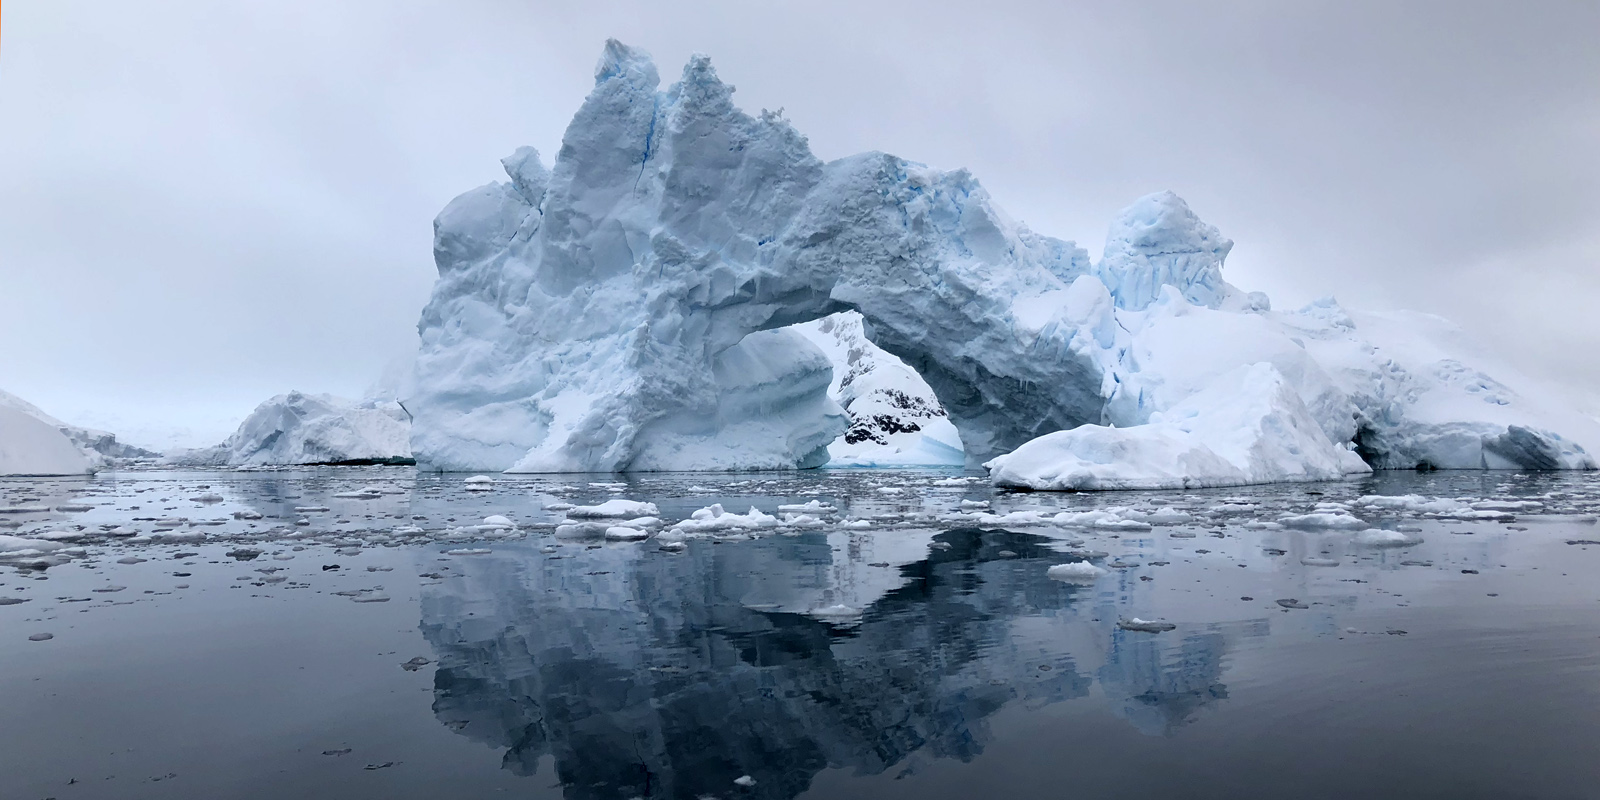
(365,595)
(801,521)
(813,507)
(468,551)
(971,504)
(955,481)
(479,483)
(620,533)
(857,525)
(838,611)
(60,536)
(497,522)
(309,509)
(714,519)
(614,508)
(744,780)
(1318,561)
(1144,625)
(674,547)
(208,497)
(1075,572)
(247,515)
(364,493)
(17,546)
(1377,537)
(558,506)
(1323,520)
(581,530)
(74,508)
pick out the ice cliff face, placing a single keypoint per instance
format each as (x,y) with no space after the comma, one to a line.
(297,428)
(623,311)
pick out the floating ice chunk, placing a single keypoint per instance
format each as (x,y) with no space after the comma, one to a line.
(619,533)
(1143,625)
(1376,537)
(714,518)
(811,507)
(836,611)
(614,508)
(1076,572)
(497,521)
(468,551)
(1323,520)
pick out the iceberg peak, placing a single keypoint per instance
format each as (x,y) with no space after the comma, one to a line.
(1159,241)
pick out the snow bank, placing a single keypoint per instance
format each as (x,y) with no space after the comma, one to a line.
(298,428)
(1249,426)
(29,446)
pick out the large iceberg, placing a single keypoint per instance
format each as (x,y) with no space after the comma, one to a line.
(301,429)
(580,311)
(625,310)
(31,446)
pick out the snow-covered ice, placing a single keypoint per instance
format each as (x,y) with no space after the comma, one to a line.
(1248,426)
(30,446)
(299,428)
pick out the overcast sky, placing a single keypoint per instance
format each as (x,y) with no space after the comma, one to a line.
(204,204)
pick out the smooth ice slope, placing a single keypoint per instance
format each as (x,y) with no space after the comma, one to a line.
(96,445)
(1249,426)
(619,311)
(297,428)
(895,419)
(29,446)
(580,311)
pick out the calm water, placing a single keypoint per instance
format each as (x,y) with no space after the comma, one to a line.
(899,646)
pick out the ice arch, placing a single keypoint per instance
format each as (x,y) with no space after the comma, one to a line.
(619,311)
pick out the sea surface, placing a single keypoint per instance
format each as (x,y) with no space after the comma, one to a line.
(365,633)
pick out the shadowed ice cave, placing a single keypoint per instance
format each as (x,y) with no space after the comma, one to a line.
(672,677)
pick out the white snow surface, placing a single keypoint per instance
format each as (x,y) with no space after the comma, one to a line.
(626,309)
(30,446)
(299,428)
(1248,426)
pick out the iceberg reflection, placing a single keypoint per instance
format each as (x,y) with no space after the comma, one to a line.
(653,675)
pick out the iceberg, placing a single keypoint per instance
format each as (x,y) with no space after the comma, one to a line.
(97,445)
(30,446)
(667,296)
(582,311)
(304,429)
